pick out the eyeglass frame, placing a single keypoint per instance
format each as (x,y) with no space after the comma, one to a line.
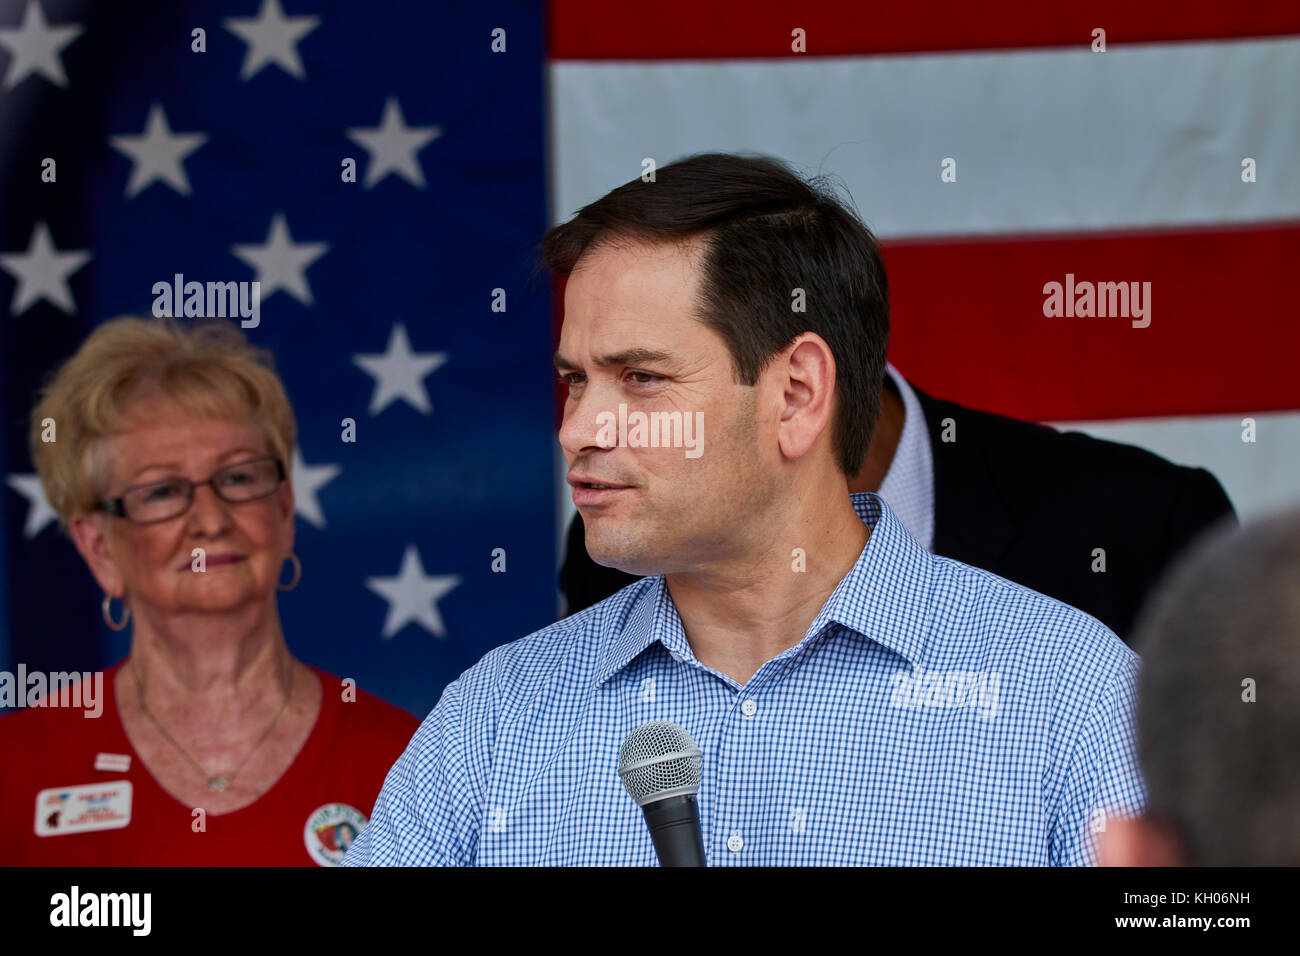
(117,506)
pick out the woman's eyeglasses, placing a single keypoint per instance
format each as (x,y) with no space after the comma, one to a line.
(160,500)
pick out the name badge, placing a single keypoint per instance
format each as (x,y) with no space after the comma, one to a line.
(84,808)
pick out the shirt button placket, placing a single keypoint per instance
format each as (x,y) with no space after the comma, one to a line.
(748,708)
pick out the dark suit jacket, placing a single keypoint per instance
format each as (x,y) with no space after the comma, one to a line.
(1030,504)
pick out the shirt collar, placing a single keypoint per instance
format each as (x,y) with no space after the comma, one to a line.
(908,485)
(884,597)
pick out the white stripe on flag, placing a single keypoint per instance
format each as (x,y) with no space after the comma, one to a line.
(1045,140)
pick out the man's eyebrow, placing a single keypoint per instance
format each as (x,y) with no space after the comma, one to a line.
(637,356)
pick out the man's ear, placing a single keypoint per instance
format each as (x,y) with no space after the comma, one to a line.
(89,534)
(1140,842)
(807,399)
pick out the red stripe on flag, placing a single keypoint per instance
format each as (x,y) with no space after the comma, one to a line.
(688,29)
(967,324)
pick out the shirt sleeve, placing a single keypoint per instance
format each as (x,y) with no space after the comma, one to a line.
(1103,780)
(428,810)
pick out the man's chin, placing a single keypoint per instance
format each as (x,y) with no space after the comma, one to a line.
(629,564)
(626,557)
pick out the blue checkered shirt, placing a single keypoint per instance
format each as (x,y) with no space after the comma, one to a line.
(933,713)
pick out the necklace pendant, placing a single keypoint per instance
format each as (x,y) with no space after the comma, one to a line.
(218,783)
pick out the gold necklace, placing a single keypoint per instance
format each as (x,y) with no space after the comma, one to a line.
(221,780)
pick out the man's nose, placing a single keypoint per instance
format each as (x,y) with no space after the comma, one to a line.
(584,427)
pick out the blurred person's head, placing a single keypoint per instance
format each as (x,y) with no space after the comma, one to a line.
(1219,706)
(736,294)
(146,402)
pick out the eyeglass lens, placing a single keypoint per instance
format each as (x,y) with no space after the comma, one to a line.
(166,499)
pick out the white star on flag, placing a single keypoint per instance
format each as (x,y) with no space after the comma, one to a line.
(399,373)
(412,595)
(35,47)
(307,480)
(158,153)
(39,512)
(42,272)
(392,146)
(280,261)
(272,39)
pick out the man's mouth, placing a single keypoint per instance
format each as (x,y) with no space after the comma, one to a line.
(594,492)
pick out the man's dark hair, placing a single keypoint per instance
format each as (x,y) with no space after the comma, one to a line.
(766,233)
(1221,770)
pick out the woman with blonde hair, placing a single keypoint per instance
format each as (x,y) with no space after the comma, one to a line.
(169,471)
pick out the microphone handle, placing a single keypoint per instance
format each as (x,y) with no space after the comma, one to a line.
(675,829)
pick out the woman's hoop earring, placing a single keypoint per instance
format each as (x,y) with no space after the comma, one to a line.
(297,573)
(107,608)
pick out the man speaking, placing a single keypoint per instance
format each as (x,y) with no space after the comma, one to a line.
(854,698)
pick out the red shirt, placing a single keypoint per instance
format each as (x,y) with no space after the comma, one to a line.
(118,815)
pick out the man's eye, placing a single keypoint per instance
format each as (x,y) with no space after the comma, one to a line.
(644,378)
(571,378)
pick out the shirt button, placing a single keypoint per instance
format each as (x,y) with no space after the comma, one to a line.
(734,842)
(749,707)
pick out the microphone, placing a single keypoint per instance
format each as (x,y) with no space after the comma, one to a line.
(661,768)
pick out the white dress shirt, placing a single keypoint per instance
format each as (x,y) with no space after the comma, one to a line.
(908,487)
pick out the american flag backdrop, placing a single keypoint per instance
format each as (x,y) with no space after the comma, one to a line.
(1122,165)
(401,301)
(993,150)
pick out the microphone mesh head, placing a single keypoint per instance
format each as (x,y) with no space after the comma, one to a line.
(658,760)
